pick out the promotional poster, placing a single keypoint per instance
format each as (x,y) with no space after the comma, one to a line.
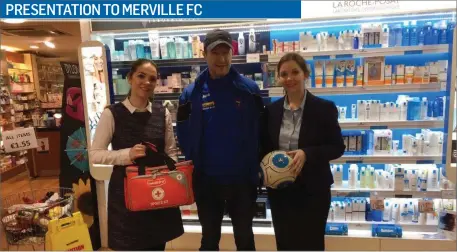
(74,171)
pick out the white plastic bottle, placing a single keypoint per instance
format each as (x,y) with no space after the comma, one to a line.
(241,45)
(415,217)
(424,107)
(395,213)
(385,36)
(433,179)
(363,178)
(411,211)
(413,180)
(406,185)
(404,212)
(352,182)
(252,41)
(423,180)
(338,177)
(387,214)
(341,41)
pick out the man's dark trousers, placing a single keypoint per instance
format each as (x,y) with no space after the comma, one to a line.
(212,199)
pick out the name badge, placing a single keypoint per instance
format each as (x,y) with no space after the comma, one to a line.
(208,105)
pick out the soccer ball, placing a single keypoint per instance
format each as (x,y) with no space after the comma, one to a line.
(277,170)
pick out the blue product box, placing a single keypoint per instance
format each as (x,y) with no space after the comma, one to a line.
(386,230)
(336,229)
(358,142)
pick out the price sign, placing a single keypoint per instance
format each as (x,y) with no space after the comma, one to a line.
(252,58)
(426,206)
(377,204)
(19,139)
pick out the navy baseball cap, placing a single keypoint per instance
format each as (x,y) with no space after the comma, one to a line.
(215,38)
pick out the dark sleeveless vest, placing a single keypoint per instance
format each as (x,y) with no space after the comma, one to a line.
(138,230)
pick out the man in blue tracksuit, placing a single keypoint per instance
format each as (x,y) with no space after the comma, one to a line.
(218,128)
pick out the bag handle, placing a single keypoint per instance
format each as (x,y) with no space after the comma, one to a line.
(151,151)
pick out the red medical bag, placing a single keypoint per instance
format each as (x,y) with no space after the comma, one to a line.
(150,188)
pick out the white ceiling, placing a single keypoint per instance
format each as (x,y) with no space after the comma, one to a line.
(66,46)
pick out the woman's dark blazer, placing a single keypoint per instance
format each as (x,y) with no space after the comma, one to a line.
(320,138)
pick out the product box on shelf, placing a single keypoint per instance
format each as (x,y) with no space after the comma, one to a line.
(350,73)
(400,74)
(388,75)
(340,69)
(382,140)
(374,71)
(329,73)
(359,142)
(409,74)
(261,208)
(360,75)
(319,73)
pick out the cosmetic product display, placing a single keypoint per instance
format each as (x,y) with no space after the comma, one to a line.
(389,79)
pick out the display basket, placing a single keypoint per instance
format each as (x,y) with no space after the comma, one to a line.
(25,216)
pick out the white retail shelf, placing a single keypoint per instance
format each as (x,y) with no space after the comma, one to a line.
(343,192)
(388,159)
(369,52)
(195,217)
(410,88)
(352,233)
(407,226)
(423,124)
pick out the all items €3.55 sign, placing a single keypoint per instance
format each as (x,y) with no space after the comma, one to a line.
(19,139)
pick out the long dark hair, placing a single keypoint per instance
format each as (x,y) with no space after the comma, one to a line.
(135,65)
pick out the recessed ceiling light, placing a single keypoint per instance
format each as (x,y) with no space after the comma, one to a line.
(34,47)
(13,21)
(9,48)
(49,44)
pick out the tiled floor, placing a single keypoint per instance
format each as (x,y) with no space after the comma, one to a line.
(18,184)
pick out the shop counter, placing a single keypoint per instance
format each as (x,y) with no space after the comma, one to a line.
(46,158)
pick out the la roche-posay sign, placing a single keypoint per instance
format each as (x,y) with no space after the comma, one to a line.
(339,9)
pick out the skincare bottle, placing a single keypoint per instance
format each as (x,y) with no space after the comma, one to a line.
(363,178)
(413,179)
(387,211)
(406,186)
(385,36)
(405,34)
(415,217)
(424,107)
(353,111)
(338,178)
(413,36)
(241,46)
(352,182)
(395,213)
(252,41)
(404,213)
(433,178)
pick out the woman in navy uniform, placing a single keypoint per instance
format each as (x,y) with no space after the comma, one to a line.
(125,126)
(307,128)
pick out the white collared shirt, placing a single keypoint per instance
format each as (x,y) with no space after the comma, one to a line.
(104,133)
(290,126)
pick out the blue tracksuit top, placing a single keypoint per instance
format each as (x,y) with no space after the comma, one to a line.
(218,127)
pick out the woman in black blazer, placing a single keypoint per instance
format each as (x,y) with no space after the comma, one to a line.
(307,128)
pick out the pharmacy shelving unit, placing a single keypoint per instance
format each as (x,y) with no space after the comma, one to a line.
(415,236)
(11,164)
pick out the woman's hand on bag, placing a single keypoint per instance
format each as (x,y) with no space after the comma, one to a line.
(299,159)
(137,151)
